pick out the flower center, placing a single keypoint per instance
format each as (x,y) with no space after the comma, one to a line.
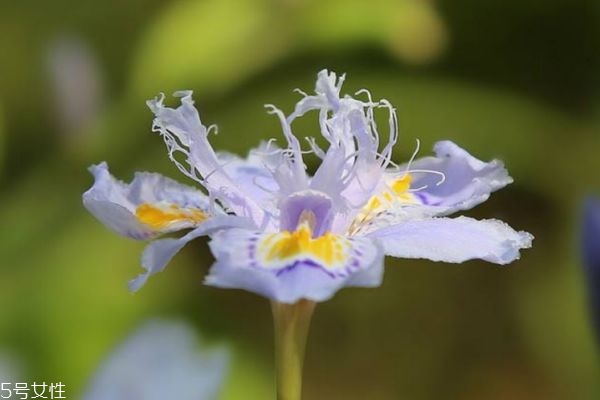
(311,207)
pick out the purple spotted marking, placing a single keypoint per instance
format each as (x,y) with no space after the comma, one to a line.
(306,262)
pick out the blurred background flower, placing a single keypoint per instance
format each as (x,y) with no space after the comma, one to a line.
(161,360)
(76,86)
(590,236)
(10,372)
(517,81)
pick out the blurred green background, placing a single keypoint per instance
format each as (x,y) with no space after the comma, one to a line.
(516,80)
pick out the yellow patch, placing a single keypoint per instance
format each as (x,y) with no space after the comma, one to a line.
(398,190)
(285,246)
(401,185)
(160,217)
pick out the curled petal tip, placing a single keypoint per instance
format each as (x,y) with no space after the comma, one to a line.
(136,284)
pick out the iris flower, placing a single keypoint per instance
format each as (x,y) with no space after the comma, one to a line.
(297,238)
(284,234)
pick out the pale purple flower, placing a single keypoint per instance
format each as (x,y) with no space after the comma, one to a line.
(160,361)
(76,83)
(279,232)
(590,240)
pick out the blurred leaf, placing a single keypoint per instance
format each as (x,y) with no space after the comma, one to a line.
(218,42)
(248,377)
(411,29)
(553,312)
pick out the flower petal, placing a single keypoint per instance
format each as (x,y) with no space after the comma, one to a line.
(453,240)
(157,254)
(287,268)
(453,180)
(254,174)
(468,180)
(327,94)
(147,207)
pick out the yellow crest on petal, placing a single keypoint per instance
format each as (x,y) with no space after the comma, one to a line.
(280,248)
(398,191)
(160,217)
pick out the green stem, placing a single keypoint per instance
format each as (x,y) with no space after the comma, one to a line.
(291,323)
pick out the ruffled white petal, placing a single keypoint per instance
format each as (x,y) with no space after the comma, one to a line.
(327,94)
(242,265)
(189,148)
(160,361)
(353,164)
(453,240)
(117,204)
